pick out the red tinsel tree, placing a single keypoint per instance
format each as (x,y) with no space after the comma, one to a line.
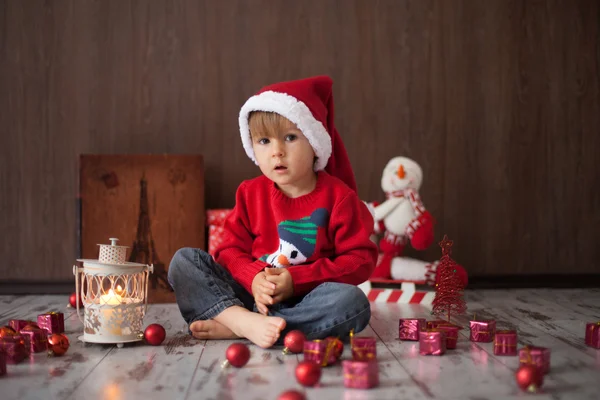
(449,296)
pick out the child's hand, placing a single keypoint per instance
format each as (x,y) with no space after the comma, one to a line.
(262,290)
(282,278)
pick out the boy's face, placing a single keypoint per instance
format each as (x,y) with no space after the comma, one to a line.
(283,153)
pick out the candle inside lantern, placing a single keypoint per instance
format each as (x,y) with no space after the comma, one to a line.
(119,291)
(111,298)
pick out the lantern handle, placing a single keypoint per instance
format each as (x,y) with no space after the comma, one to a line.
(76,272)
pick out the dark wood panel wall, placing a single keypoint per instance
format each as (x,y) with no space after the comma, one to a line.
(498,101)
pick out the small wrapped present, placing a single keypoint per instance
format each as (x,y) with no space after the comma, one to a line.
(18,324)
(322,352)
(592,334)
(505,343)
(363,348)
(38,338)
(2,363)
(409,328)
(16,348)
(538,356)
(432,342)
(440,322)
(482,331)
(451,335)
(361,374)
(52,322)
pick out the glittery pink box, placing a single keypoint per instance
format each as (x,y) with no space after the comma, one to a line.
(440,322)
(482,331)
(451,335)
(38,338)
(16,348)
(432,342)
(592,334)
(52,322)
(18,324)
(539,356)
(314,351)
(409,328)
(505,343)
(2,363)
(364,348)
(360,374)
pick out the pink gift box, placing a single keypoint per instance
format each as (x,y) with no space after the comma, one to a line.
(360,374)
(52,322)
(16,348)
(451,335)
(18,324)
(2,363)
(409,328)
(320,352)
(592,334)
(482,331)
(38,338)
(432,342)
(505,343)
(440,322)
(539,356)
(364,348)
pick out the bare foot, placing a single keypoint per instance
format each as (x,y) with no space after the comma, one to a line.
(211,329)
(260,329)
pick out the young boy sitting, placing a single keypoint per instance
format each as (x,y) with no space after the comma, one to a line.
(296,243)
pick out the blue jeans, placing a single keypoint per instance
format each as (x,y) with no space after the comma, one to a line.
(204,289)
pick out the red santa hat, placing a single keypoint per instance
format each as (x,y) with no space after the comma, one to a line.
(308,103)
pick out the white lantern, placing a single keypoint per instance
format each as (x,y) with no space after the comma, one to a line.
(114,293)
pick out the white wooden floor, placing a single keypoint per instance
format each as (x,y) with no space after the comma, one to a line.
(185,368)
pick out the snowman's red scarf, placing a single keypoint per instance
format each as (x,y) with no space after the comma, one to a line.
(417,205)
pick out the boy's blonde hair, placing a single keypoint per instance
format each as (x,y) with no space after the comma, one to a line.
(267,124)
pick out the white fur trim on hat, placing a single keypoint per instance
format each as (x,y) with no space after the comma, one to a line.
(294,110)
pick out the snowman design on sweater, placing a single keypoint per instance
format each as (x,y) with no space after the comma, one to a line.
(297,239)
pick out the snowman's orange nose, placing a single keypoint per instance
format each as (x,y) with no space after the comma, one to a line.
(281,259)
(401,174)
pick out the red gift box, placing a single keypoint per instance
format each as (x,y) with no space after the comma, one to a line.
(16,348)
(409,328)
(2,363)
(440,322)
(38,338)
(505,343)
(360,374)
(363,348)
(592,334)
(215,220)
(538,356)
(451,335)
(322,352)
(482,331)
(52,322)
(432,342)
(18,324)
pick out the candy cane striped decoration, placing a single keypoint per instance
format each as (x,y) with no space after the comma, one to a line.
(407,294)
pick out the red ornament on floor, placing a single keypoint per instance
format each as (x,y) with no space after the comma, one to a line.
(238,354)
(73,300)
(529,378)
(292,395)
(308,373)
(294,342)
(58,344)
(154,334)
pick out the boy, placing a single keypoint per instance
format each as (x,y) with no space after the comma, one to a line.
(298,240)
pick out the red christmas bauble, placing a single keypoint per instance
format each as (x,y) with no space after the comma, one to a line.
(154,334)
(292,395)
(308,373)
(73,300)
(58,344)
(238,354)
(7,331)
(294,342)
(529,377)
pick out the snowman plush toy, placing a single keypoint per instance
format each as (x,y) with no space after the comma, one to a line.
(402,218)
